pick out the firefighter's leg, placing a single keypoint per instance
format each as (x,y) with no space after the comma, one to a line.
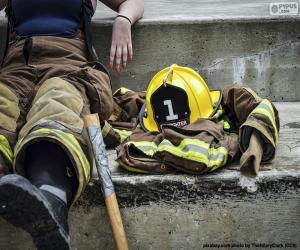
(21,203)
(16,90)
(34,200)
(41,200)
(55,118)
(9,115)
(49,168)
(53,154)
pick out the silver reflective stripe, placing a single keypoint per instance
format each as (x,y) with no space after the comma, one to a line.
(265,106)
(56,191)
(203,151)
(145,148)
(166,143)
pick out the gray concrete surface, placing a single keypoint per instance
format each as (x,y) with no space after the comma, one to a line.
(198,10)
(180,211)
(176,11)
(225,41)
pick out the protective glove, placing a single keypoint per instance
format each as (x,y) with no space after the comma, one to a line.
(251,158)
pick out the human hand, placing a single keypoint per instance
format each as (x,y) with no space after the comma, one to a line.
(121,44)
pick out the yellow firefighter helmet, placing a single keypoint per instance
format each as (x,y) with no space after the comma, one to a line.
(177,96)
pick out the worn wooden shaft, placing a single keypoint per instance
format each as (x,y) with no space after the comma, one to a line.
(110,197)
(116,222)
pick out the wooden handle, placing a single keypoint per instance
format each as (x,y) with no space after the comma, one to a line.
(110,201)
(91,120)
(116,222)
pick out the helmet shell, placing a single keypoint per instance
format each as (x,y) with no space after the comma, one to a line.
(177,95)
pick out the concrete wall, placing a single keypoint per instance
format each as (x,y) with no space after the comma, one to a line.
(263,55)
(270,218)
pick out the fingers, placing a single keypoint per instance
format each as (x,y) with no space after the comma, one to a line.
(112,55)
(118,59)
(124,58)
(130,50)
(116,54)
(120,55)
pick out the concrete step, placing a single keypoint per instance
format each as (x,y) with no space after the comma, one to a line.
(225,41)
(179,211)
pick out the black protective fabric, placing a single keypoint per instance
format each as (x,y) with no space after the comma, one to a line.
(87,16)
(47,164)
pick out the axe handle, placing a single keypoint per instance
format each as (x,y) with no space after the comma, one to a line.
(116,222)
(110,201)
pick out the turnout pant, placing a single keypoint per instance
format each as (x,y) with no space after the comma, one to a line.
(46,86)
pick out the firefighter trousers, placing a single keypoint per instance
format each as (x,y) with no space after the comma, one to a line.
(46,86)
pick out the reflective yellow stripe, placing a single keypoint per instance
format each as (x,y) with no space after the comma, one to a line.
(265,108)
(123,133)
(71,142)
(5,148)
(131,169)
(148,148)
(226,125)
(121,90)
(191,149)
(106,128)
(196,150)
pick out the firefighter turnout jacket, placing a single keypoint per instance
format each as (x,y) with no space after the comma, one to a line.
(242,119)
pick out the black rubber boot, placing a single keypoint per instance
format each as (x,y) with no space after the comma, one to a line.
(40,213)
(47,164)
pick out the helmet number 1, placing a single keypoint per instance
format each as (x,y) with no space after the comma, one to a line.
(171,115)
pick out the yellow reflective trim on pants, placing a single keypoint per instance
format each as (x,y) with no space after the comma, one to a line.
(148,148)
(131,169)
(196,150)
(5,148)
(124,134)
(71,143)
(265,108)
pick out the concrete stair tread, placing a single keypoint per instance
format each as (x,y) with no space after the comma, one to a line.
(289,141)
(283,170)
(186,11)
(196,11)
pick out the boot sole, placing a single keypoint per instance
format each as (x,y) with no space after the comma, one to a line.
(22,206)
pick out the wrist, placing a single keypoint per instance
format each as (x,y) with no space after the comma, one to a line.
(125,18)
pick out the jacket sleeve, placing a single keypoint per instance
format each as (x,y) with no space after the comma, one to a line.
(123,120)
(248,112)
